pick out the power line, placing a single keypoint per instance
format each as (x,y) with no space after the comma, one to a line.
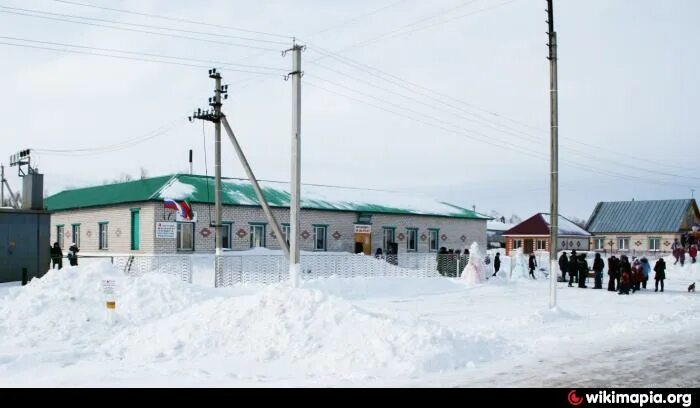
(179,20)
(401,33)
(222,63)
(122,57)
(145,25)
(356,18)
(111,147)
(136,30)
(471,135)
(402,83)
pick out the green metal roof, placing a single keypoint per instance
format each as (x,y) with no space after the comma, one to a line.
(641,216)
(200,189)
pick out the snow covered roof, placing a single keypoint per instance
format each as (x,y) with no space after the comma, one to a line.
(200,189)
(539,224)
(498,226)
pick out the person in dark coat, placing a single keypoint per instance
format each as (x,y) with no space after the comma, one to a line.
(625,274)
(637,275)
(684,240)
(582,271)
(563,266)
(56,256)
(660,275)
(532,264)
(451,263)
(646,271)
(573,269)
(442,261)
(693,252)
(73,254)
(612,271)
(598,266)
(379,254)
(496,263)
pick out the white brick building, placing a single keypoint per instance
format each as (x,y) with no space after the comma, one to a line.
(131,217)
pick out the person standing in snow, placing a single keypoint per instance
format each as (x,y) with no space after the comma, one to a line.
(532,264)
(625,271)
(693,252)
(442,260)
(582,271)
(684,240)
(612,273)
(681,256)
(56,256)
(73,254)
(676,250)
(646,271)
(660,275)
(598,266)
(378,254)
(496,263)
(573,269)
(563,266)
(636,276)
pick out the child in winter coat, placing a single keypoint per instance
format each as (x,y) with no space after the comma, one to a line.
(625,283)
(693,252)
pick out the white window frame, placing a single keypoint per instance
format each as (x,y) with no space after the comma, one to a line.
(599,243)
(180,242)
(103,235)
(75,233)
(385,237)
(432,231)
(59,235)
(543,245)
(625,246)
(322,231)
(414,232)
(286,231)
(656,247)
(227,227)
(254,235)
(517,243)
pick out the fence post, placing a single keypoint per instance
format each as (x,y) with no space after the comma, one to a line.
(25,276)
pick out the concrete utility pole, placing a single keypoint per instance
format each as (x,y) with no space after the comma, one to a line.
(295,202)
(2,185)
(217,160)
(554,159)
(215,117)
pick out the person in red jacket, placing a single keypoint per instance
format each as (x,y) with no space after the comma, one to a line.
(693,252)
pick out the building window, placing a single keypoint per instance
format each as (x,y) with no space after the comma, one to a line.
(434,239)
(412,241)
(654,244)
(135,234)
(185,236)
(389,237)
(103,235)
(226,235)
(319,237)
(59,235)
(287,231)
(623,243)
(542,244)
(599,243)
(76,234)
(257,235)
(517,243)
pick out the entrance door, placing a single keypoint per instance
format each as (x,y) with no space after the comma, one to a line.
(529,246)
(363,241)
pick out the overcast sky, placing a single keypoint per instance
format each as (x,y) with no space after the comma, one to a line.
(463,117)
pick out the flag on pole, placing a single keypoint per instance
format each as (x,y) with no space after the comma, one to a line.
(186,210)
(172,204)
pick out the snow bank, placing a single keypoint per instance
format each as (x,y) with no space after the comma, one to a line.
(68,305)
(307,328)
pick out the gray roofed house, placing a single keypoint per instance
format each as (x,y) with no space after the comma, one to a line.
(649,225)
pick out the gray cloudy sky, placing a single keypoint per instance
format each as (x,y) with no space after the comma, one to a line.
(628,82)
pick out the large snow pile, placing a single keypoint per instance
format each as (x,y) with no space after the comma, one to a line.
(305,327)
(161,318)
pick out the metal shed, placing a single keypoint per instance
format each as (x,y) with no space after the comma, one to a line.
(24,243)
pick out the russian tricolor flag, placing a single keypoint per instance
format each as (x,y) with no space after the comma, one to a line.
(172,204)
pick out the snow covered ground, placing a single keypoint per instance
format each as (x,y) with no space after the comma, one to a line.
(345,332)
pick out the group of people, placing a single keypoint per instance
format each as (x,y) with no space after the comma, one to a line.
(56,254)
(679,248)
(623,275)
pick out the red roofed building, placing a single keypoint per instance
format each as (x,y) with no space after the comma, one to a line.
(533,234)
